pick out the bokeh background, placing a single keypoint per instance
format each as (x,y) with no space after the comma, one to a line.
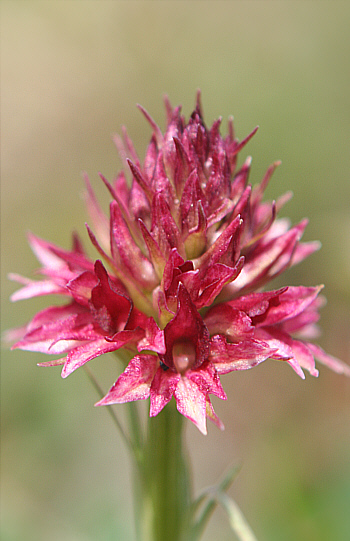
(72,72)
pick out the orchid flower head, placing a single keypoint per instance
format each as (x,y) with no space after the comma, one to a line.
(180,280)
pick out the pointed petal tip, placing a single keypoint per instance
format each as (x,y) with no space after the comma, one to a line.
(65,373)
(55,362)
(154,125)
(100,403)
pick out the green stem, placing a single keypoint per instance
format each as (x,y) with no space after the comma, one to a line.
(163,491)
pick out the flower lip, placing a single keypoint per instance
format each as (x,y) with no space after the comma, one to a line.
(186,336)
(184,355)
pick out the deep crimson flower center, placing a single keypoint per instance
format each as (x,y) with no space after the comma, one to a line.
(184,355)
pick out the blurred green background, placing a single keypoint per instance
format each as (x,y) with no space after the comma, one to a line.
(72,72)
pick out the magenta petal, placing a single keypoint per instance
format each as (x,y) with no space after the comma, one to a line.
(174,260)
(42,332)
(182,170)
(156,129)
(111,308)
(217,276)
(134,383)
(141,180)
(82,354)
(240,180)
(219,247)
(162,389)
(207,380)
(241,356)
(156,256)
(149,166)
(192,194)
(59,336)
(74,260)
(54,362)
(289,304)
(328,360)
(98,217)
(191,402)
(304,323)
(304,357)
(212,415)
(126,252)
(164,227)
(54,314)
(235,324)
(35,288)
(255,304)
(303,250)
(139,207)
(43,252)
(48,345)
(269,258)
(81,287)
(283,345)
(154,339)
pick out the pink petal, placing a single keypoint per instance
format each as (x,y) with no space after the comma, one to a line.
(207,380)
(241,356)
(141,180)
(164,227)
(135,292)
(269,259)
(81,287)
(54,362)
(303,250)
(191,403)
(283,345)
(304,357)
(139,207)
(255,304)
(54,314)
(98,217)
(59,336)
(43,251)
(82,354)
(219,247)
(134,383)
(235,324)
(289,304)
(162,389)
(110,308)
(35,288)
(156,129)
(154,339)
(328,360)
(126,252)
(156,256)
(212,415)
(217,276)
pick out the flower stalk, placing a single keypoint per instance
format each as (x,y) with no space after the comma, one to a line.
(162,481)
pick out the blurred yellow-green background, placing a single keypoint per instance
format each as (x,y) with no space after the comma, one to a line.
(72,72)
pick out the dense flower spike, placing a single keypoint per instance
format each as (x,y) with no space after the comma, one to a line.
(188,245)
